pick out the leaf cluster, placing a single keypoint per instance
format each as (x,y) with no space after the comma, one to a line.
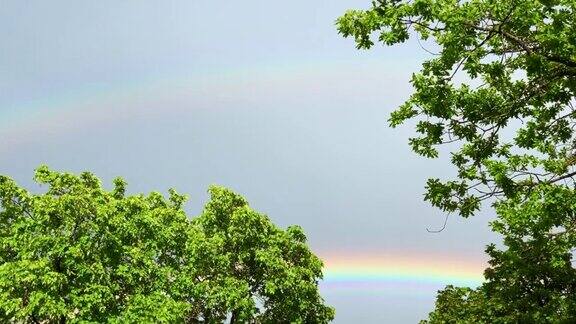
(532,279)
(500,90)
(80,253)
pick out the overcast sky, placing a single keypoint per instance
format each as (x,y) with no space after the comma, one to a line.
(260,96)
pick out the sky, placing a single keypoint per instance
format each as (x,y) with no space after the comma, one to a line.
(263,97)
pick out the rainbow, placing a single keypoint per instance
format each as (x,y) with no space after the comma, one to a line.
(65,102)
(86,106)
(370,271)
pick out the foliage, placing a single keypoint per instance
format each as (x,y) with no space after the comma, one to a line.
(533,280)
(515,128)
(499,95)
(80,253)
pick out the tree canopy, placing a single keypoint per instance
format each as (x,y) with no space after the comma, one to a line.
(498,92)
(80,253)
(515,128)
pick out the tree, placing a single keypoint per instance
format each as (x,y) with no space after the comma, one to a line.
(80,253)
(499,94)
(533,280)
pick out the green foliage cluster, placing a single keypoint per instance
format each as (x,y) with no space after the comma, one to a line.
(522,55)
(499,95)
(80,253)
(532,280)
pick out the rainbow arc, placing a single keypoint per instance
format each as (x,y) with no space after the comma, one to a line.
(415,269)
